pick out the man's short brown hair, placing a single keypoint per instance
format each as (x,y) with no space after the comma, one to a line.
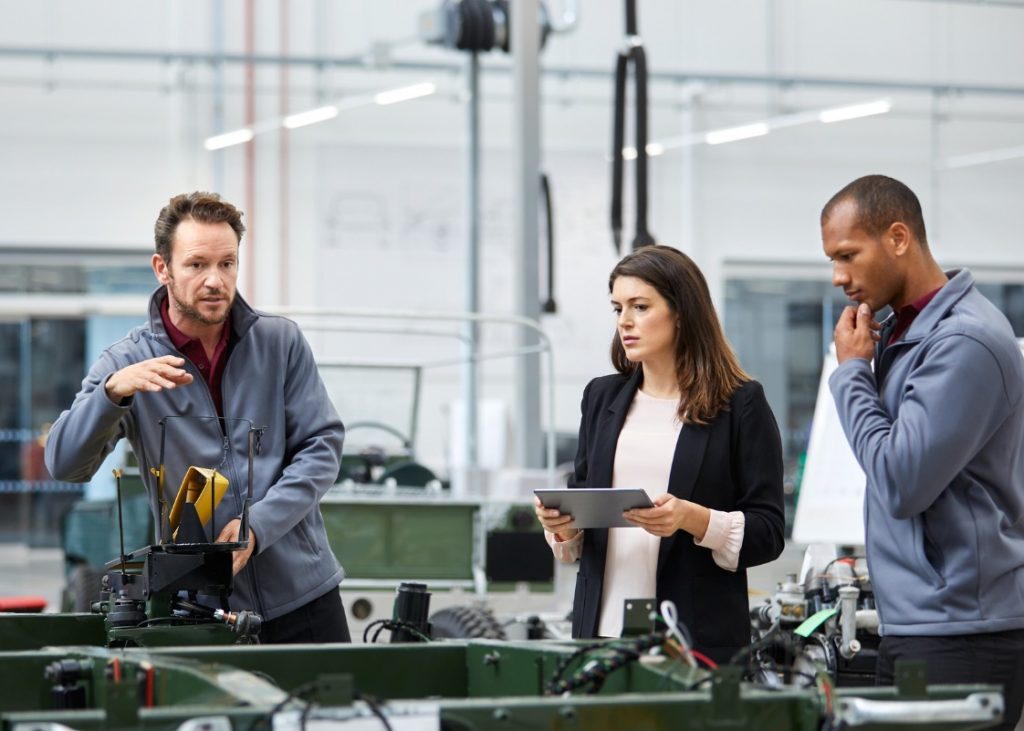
(199,206)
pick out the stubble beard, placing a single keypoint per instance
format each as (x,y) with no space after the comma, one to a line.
(192,312)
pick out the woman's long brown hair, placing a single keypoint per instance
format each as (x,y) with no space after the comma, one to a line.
(707,370)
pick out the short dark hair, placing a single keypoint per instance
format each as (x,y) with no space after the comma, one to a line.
(199,206)
(707,370)
(881,201)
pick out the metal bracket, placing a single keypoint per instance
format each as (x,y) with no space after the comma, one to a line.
(911,679)
(975,708)
(725,693)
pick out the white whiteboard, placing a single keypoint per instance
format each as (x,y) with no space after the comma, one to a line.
(831,504)
(830,508)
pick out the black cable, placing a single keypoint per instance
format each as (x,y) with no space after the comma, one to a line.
(304,716)
(298,693)
(621,653)
(643,236)
(549,305)
(391,625)
(374,705)
(174,620)
(842,558)
(193,607)
(366,630)
(565,662)
(295,693)
(618,140)
(633,54)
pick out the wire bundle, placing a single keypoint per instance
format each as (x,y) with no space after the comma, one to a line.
(391,625)
(592,674)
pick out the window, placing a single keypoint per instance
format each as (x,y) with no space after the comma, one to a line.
(781,330)
(42,362)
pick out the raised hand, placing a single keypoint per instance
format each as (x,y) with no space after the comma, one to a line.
(856,334)
(155,374)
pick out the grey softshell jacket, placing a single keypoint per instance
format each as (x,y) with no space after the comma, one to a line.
(938,428)
(271,380)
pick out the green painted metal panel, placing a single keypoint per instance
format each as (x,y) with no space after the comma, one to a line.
(395,541)
(437,669)
(33,631)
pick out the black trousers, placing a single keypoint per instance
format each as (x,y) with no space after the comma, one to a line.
(996,658)
(321,620)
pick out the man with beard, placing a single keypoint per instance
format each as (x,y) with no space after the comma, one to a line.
(207,355)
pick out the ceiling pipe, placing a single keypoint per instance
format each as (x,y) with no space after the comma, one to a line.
(359,62)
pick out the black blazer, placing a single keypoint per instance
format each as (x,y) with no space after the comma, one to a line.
(732,463)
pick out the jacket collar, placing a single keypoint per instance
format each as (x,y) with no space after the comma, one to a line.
(961,281)
(609,425)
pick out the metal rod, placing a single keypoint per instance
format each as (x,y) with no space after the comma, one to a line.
(213,506)
(120,521)
(526,154)
(243,534)
(472,253)
(359,61)
(162,535)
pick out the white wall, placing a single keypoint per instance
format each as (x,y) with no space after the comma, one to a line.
(91,149)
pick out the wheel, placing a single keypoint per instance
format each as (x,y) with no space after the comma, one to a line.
(84,583)
(465,622)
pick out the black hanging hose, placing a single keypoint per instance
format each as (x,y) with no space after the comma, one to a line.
(633,53)
(549,305)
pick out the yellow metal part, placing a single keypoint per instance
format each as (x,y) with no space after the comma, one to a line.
(196,488)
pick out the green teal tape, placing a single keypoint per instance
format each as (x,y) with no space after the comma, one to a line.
(814,621)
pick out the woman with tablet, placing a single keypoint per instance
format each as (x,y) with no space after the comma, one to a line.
(683,421)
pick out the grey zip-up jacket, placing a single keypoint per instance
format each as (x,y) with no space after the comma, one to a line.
(939,432)
(271,380)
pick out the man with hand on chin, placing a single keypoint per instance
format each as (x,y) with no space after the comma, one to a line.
(938,427)
(206,353)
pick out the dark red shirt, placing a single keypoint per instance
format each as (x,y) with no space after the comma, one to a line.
(212,369)
(908,313)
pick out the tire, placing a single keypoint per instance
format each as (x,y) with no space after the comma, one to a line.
(84,584)
(465,622)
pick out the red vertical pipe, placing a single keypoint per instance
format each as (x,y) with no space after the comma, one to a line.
(250,151)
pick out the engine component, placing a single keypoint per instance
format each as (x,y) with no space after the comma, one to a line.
(412,606)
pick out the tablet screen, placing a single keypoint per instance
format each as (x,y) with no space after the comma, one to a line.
(595,507)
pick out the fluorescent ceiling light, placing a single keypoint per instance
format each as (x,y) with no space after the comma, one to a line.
(235,137)
(653,150)
(404,94)
(312,116)
(319,114)
(983,158)
(733,134)
(855,111)
(760,129)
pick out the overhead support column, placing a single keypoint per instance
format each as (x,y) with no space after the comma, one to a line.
(525,30)
(471,331)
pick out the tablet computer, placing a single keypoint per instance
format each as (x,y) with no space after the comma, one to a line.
(595,507)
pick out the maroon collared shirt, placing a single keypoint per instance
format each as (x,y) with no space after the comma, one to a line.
(908,313)
(212,369)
